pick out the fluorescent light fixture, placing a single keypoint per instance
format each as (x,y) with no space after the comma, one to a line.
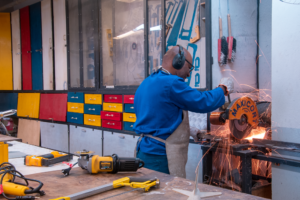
(155,28)
(140,27)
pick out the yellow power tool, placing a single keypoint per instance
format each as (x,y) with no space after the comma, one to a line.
(8,186)
(111,164)
(47,159)
(138,183)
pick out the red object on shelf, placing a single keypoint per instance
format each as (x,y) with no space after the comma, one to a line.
(129,99)
(25,48)
(113,98)
(111,115)
(112,124)
(53,107)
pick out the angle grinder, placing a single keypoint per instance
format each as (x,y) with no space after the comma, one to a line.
(111,164)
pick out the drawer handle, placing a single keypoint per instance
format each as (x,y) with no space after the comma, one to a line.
(112,106)
(131,125)
(132,107)
(113,97)
(109,115)
(91,108)
(131,98)
(131,116)
(110,123)
(52,126)
(121,136)
(83,130)
(74,97)
(91,120)
(93,99)
(74,118)
(75,107)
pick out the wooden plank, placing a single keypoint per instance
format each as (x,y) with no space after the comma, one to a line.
(5,138)
(16,49)
(6,82)
(47,44)
(80,180)
(60,45)
(29,131)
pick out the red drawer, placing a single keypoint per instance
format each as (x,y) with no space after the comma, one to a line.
(128,99)
(111,98)
(53,107)
(112,124)
(111,115)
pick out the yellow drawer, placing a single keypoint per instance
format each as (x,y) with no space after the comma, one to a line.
(28,105)
(75,107)
(129,117)
(93,120)
(117,107)
(93,98)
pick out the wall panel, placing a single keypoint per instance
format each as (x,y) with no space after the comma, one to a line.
(47,42)
(16,49)
(60,45)
(6,82)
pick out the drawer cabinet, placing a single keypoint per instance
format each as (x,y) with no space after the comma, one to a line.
(93,120)
(55,136)
(113,98)
(28,105)
(93,98)
(53,107)
(75,97)
(129,99)
(85,138)
(111,115)
(112,124)
(129,117)
(129,108)
(123,144)
(75,118)
(128,126)
(92,109)
(116,107)
(75,107)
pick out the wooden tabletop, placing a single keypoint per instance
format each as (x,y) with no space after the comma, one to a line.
(56,185)
(5,138)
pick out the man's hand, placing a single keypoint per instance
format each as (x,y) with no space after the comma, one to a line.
(194,133)
(227,84)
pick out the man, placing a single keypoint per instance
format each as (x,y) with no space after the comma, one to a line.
(161,103)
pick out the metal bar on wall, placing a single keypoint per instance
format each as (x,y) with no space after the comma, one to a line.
(146,32)
(68,45)
(80,42)
(208,47)
(163,28)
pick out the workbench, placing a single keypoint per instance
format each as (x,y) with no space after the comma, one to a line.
(57,185)
(5,138)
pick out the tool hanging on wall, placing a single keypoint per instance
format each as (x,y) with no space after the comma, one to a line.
(230,40)
(197,27)
(47,159)
(139,183)
(8,186)
(222,46)
(112,164)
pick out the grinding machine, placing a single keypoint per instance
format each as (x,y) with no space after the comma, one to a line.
(244,115)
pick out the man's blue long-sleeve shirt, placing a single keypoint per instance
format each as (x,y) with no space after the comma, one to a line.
(158,104)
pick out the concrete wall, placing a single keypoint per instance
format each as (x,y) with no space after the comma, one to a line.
(264,61)
(285,93)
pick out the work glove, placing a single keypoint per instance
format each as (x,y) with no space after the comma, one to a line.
(194,133)
(228,83)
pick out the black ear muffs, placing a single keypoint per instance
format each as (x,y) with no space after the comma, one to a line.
(179,59)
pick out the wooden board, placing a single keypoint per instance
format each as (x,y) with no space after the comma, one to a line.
(47,44)
(60,45)
(6,82)
(5,138)
(80,180)
(16,49)
(29,131)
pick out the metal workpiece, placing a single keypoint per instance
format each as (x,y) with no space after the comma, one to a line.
(7,113)
(91,192)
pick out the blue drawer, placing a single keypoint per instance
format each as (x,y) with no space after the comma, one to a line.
(92,109)
(75,117)
(128,126)
(75,97)
(129,108)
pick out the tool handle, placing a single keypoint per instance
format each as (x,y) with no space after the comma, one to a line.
(229,25)
(140,179)
(220,27)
